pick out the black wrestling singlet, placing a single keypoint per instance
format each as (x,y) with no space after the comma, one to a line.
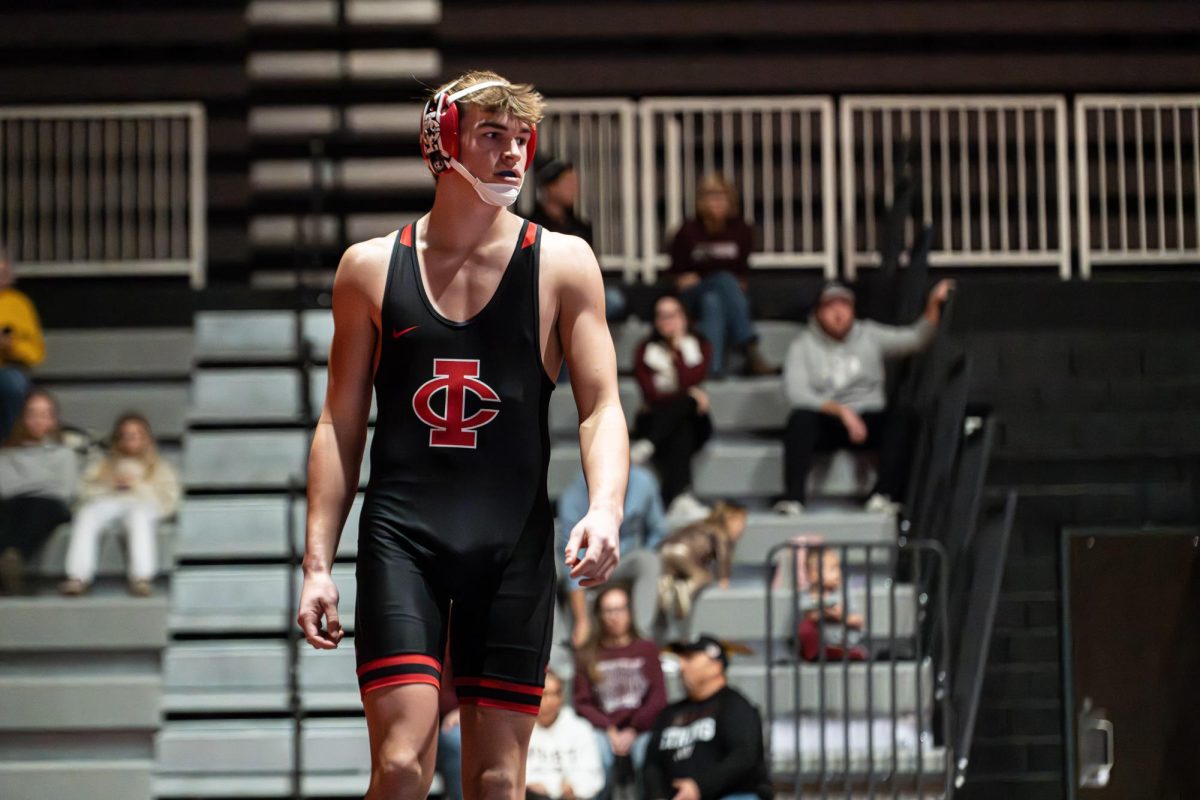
(457,530)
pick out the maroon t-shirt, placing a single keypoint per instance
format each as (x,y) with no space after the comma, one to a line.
(694,249)
(630,691)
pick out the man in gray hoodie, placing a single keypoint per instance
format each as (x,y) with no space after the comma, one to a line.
(834,380)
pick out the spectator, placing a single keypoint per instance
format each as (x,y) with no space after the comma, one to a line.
(563,763)
(690,554)
(710,261)
(673,422)
(39,476)
(708,745)
(558,186)
(131,485)
(824,623)
(834,381)
(619,685)
(642,530)
(21,346)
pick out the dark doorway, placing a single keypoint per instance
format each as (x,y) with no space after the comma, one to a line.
(1132,649)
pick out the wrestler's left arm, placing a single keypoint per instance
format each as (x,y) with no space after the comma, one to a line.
(603,436)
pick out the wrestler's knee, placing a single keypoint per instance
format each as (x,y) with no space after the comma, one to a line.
(398,770)
(498,783)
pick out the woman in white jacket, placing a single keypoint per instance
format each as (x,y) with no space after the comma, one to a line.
(564,762)
(133,486)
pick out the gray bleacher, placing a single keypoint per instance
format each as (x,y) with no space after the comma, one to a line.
(229,595)
(81,687)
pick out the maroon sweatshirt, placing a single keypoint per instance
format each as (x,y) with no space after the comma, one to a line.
(694,249)
(686,376)
(630,691)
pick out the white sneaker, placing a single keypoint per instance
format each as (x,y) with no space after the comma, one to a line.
(641,451)
(789,508)
(881,504)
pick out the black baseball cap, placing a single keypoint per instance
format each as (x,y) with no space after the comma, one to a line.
(705,643)
(549,172)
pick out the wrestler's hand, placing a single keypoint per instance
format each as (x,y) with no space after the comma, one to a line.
(599,534)
(319,598)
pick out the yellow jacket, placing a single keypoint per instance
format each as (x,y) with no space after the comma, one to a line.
(17,312)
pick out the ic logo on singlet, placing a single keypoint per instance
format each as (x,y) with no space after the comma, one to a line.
(456,376)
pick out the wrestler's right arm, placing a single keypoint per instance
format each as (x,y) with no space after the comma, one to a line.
(341,433)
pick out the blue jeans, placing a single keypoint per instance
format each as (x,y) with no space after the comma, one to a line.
(637,754)
(722,314)
(14,385)
(449,762)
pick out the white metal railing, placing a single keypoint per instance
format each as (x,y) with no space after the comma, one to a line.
(104,190)
(778,152)
(992,173)
(597,136)
(1137,161)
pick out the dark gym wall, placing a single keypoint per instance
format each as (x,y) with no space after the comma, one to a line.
(117,51)
(633,47)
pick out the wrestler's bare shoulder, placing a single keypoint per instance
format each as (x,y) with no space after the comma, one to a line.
(567,259)
(364,265)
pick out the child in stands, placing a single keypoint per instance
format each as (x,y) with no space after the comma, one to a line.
(690,554)
(824,623)
(133,486)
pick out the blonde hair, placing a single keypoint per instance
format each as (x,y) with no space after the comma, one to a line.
(716,182)
(149,457)
(519,100)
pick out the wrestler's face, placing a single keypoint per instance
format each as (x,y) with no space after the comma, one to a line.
(492,145)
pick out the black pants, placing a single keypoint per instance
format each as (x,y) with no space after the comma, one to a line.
(26,522)
(810,432)
(678,431)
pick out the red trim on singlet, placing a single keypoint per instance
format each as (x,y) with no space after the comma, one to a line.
(492,683)
(401,680)
(530,236)
(406,236)
(487,702)
(392,661)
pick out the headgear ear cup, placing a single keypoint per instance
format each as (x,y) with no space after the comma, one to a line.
(439,128)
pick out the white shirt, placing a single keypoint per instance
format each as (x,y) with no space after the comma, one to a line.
(565,750)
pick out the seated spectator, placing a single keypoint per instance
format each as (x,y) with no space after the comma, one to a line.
(563,762)
(673,422)
(642,530)
(558,186)
(21,346)
(834,381)
(39,477)
(133,486)
(619,685)
(690,554)
(824,623)
(708,745)
(710,260)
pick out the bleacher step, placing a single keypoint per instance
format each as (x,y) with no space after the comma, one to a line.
(77,779)
(101,621)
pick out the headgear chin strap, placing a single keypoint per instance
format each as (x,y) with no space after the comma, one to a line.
(494,194)
(440,144)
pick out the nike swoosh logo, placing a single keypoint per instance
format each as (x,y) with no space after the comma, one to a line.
(397,334)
